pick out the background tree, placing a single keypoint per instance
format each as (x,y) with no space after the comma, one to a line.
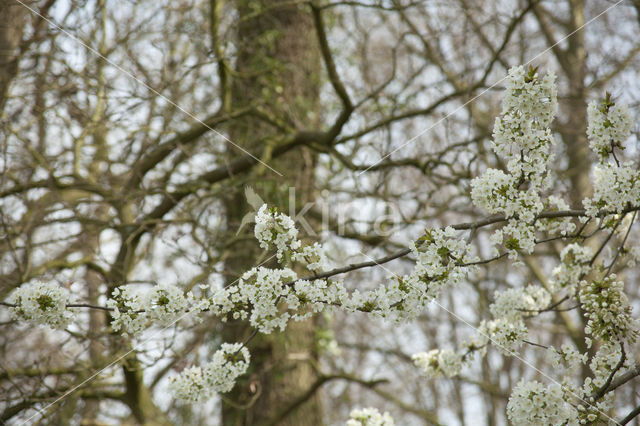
(130,131)
(276,70)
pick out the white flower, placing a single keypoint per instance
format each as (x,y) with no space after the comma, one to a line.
(190,385)
(165,304)
(531,403)
(609,126)
(312,256)
(219,375)
(437,362)
(518,237)
(128,310)
(494,191)
(562,226)
(634,256)
(262,288)
(566,357)
(614,188)
(604,361)
(522,135)
(269,298)
(575,264)
(135,309)
(531,96)
(506,335)
(41,303)
(369,417)
(513,304)
(440,256)
(277,229)
(607,309)
(273,228)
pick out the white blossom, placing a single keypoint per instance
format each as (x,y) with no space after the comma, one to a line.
(521,134)
(531,96)
(135,309)
(532,403)
(128,310)
(603,362)
(614,188)
(575,260)
(270,298)
(514,304)
(634,256)
(607,309)
(369,417)
(518,237)
(260,289)
(562,226)
(566,357)
(41,303)
(494,192)
(277,229)
(440,263)
(164,304)
(313,257)
(609,126)
(437,362)
(505,334)
(219,375)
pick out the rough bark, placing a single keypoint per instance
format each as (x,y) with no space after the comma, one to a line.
(12,22)
(575,109)
(276,62)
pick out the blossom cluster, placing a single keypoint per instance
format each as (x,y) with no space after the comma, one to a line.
(269,298)
(274,229)
(615,187)
(532,403)
(498,192)
(566,357)
(441,261)
(521,135)
(517,236)
(609,126)
(516,303)
(607,310)
(556,226)
(508,336)
(41,303)
(219,375)
(134,310)
(369,417)
(603,366)
(508,330)
(574,265)
(437,362)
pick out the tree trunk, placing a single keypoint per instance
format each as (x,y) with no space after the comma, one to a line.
(575,109)
(12,22)
(276,63)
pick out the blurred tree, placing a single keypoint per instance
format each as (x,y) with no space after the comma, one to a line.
(277,69)
(130,131)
